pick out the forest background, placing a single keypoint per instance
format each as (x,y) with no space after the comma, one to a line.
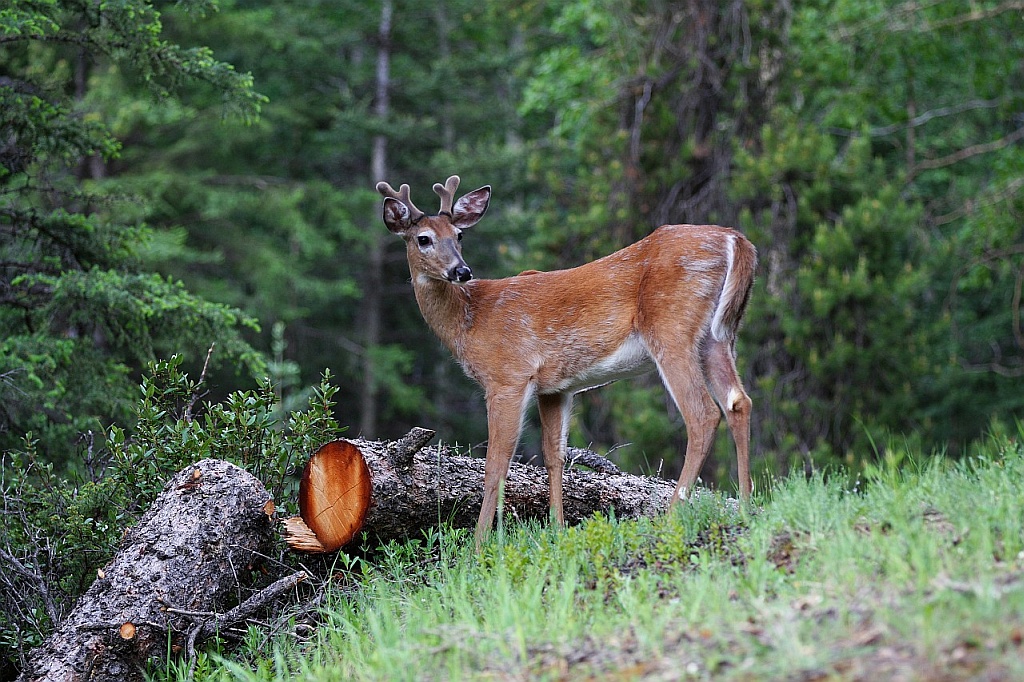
(176,175)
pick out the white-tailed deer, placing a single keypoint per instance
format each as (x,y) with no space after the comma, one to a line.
(671,302)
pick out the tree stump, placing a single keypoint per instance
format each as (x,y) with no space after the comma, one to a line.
(177,575)
(396,490)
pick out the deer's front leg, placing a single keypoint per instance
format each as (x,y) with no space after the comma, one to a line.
(554,425)
(504,424)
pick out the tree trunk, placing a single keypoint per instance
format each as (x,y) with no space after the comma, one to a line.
(413,488)
(373,296)
(179,571)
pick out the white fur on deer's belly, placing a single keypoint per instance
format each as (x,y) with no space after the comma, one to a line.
(628,360)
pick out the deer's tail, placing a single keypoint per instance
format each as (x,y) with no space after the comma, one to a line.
(741,257)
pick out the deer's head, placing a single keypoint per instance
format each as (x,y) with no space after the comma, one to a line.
(433,242)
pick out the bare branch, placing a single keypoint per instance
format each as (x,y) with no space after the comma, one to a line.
(972,205)
(591,460)
(214,623)
(196,395)
(976,14)
(923,118)
(7,378)
(35,579)
(994,368)
(908,18)
(968,152)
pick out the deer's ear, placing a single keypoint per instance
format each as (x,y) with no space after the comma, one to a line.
(468,210)
(396,216)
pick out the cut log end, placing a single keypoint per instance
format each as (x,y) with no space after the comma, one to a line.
(334,496)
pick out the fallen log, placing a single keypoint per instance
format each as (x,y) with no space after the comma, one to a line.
(177,580)
(396,490)
(185,571)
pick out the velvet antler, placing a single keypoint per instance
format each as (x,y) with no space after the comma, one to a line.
(447,193)
(401,195)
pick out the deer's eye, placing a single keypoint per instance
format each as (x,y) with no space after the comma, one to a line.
(459,236)
(423,240)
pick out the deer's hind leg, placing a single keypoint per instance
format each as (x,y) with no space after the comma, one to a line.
(683,376)
(720,367)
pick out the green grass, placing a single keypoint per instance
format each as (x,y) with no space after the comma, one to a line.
(917,573)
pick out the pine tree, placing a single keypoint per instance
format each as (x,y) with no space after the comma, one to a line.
(79,312)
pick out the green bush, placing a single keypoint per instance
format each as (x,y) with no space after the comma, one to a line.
(59,530)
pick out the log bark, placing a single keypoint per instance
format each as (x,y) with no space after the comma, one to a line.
(415,488)
(179,576)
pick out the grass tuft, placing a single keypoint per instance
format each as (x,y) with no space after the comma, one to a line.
(916,573)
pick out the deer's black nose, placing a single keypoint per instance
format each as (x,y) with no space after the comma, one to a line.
(461,273)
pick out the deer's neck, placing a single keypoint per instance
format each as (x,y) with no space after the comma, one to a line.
(446,308)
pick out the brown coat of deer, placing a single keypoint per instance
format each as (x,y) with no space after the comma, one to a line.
(671,302)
